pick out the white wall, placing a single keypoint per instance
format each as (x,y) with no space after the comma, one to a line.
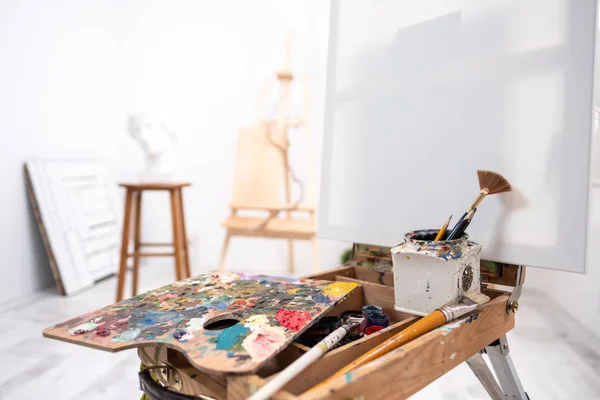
(70,71)
(59,96)
(206,65)
(578,294)
(219,66)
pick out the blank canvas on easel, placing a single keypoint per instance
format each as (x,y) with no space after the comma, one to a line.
(420,96)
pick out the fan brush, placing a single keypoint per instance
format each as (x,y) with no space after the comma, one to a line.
(489,183)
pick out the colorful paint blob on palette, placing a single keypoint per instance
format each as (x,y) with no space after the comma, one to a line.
(270,313)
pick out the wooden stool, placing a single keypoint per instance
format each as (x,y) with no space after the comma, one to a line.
(133,205)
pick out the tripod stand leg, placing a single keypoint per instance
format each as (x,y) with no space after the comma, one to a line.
(505,369)
(485,376)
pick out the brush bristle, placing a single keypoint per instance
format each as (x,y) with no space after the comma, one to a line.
(477,297)
(493,182)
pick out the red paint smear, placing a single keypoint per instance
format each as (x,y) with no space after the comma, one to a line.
(264,340)
(167,297)
(292,319)
(103,331)
(240,303)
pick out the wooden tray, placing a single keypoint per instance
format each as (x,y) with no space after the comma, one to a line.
(398,374)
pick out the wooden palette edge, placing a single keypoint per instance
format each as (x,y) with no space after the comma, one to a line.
(251,367)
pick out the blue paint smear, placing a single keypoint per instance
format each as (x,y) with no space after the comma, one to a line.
(229,336)
(230,354)
(322,299)
(348,377)
(220,302)
(220,306)
(158,317)
(179,334)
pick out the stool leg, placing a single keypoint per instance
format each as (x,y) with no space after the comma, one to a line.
(184,238)
(136,242)
(124,246)
(177,247)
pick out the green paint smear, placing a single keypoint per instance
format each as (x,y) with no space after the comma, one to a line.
(231,336)
(127,336)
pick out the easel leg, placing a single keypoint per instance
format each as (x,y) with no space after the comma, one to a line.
(315,254)
(292,268)
(485,376)
(136,242)
(505,369)
(224,251)
(124,246)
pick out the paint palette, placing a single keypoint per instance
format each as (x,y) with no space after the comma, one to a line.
(223,322)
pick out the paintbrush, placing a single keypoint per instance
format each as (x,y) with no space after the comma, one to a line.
(307,358)
(469,301)
(443,229)
(489,183)
(461,225)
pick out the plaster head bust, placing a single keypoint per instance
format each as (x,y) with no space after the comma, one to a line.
(157,141)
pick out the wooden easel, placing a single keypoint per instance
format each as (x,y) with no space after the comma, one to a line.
(396,375)
(262,166)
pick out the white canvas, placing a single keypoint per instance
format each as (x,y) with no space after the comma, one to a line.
(421,94)
(78,209)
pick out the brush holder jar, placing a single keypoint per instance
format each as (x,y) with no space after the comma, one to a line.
(429,273)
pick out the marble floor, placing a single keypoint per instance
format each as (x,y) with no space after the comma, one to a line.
(554,355)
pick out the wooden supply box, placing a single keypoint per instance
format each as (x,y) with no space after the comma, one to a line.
(398,374)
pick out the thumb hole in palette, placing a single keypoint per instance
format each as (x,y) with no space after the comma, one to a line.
(221,322)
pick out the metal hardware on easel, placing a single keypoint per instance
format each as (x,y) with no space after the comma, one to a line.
(484,282)
(169,375)
(503,345)
(512,306)
(177,384)
(485,376)
(156,391)
(507,375)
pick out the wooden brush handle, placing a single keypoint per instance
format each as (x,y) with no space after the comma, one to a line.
(484,192)
(294,369)
(419,328)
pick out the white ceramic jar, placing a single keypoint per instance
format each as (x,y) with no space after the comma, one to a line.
(429,274)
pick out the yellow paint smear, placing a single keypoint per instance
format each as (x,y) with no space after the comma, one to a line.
(338,289)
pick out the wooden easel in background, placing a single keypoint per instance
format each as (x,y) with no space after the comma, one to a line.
(263,176)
